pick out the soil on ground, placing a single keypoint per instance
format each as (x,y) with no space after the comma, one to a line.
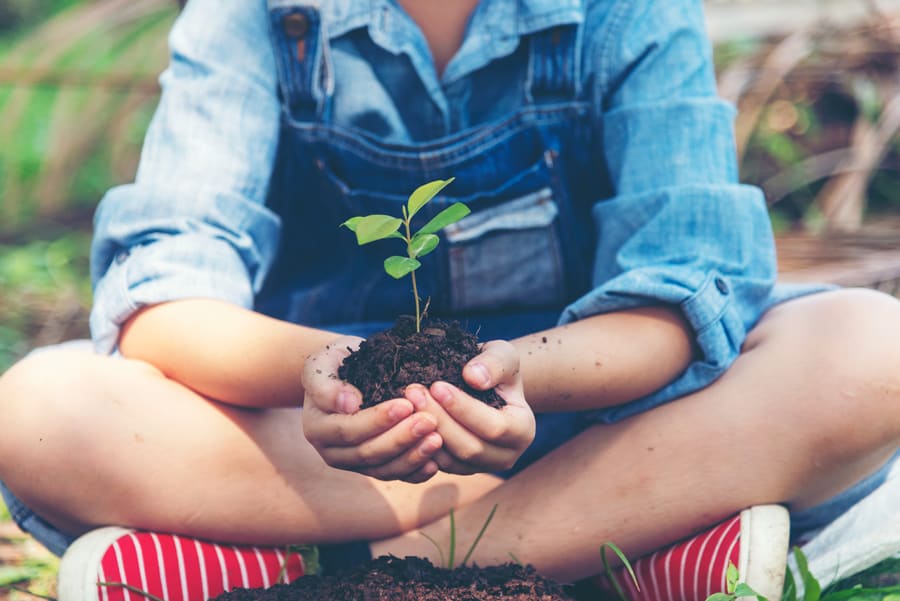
(413,579)
(387,362)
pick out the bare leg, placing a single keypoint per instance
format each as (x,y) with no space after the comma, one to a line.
(811,406)
(91,440)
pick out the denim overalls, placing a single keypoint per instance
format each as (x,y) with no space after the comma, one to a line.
(508,268)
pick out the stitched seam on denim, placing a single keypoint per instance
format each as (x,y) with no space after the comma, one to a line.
(702,292)
(617,23)
(411,158)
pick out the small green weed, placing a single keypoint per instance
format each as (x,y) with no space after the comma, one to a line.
(841,591)
(449,561)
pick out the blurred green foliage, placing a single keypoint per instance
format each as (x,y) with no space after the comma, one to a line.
(44,293)
(77,91)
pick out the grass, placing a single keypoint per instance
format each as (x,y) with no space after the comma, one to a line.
(27,565)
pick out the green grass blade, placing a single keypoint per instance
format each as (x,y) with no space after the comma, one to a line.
(608,569)
(480,534)
(452,558)
(436,546)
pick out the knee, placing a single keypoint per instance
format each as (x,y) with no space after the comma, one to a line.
(855,334)
(844,346)
(39,409)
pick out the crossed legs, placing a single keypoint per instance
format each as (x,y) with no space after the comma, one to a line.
(811,407)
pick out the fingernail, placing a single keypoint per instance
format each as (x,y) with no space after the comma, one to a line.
(480,374)
(416,396)
(441,392)
(398,412)
(346,402)
(422,427)
(430,445)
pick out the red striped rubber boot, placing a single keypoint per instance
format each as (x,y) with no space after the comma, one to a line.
(116,564)
(755,541)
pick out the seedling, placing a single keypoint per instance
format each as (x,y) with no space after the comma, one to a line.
(733,588)
(370,228)
(449,562)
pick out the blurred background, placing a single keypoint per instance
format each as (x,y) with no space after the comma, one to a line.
(816,82)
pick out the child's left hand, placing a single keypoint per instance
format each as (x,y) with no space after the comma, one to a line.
(478,438)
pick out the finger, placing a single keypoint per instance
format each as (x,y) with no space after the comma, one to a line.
(463,445)
(450,465)
(328,430)
(506,426)
(321,382)
(497,363)
(414,465)
(408,436)
(423,474)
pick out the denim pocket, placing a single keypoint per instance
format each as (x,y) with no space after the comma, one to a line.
(507,256)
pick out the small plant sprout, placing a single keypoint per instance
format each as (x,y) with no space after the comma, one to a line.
(450,562)
(609,572)
(370,228)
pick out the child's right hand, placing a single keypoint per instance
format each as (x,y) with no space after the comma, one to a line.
(391,441)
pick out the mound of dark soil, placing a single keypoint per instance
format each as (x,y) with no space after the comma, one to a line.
(413,579)
(387,362)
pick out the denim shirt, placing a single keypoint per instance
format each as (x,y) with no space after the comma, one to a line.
(669,223)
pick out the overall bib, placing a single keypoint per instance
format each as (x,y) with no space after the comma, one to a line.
(507,269)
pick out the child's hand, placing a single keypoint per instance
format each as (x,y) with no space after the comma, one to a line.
(477,437)
(391,441)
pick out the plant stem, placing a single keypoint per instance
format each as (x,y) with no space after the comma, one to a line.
(132,589)
(412,274)
(416,294)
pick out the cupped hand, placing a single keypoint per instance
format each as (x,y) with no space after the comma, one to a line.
(477,437)
(391,441)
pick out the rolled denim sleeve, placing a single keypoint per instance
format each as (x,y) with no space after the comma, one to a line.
(679,230)
(194,224)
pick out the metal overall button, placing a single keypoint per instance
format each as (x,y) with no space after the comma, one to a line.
(295,25)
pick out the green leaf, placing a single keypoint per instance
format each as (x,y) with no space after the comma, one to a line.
(720,597)
(376,227)
(397,267)
(424,193)
(789,593)
(451,214)
(744,590)
(812,591)
(422,244)
(731,577)
(352,223)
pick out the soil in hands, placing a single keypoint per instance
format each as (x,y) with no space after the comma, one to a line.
(387,362)
(413,579)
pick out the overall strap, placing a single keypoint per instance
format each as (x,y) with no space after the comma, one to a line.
(554,69)
(301,52)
